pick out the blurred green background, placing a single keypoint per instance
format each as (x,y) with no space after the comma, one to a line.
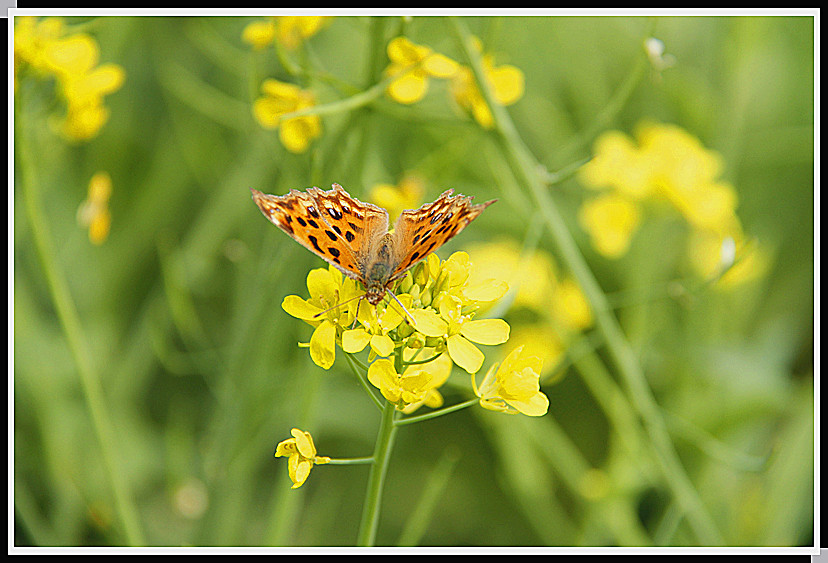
(180,308)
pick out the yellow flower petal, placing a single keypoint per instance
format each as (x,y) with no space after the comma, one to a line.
(408,88)
(259,34)
(507,84)
(429,323)
(440,66)
(355,340)
(304,443)
(490,290)
(297,307)
(382,345)
(486,331)
(323,345)
(464,353)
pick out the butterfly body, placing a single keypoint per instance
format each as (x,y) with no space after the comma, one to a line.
(353,235)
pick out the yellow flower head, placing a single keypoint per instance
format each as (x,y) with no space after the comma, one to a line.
(513,386)
(506,83)
(327,288)
(459,331)
(301,454)
(73,61)
(663,162)
(416,386)
(281,98)
(260,34)
(93,213)
(410,69)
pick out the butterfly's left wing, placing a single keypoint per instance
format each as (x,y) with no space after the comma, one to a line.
(297,214)
(419,232)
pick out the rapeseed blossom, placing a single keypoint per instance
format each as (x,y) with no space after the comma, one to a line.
(279,99)
(289,31)
(301,454)
(411,68)
(663,163)
(73,60)
(513,386)
(506,83)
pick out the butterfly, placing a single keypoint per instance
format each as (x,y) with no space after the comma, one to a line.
(353,235)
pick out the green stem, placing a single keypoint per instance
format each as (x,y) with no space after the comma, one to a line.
(351,461)
(527,171)
(382,453)
(70,323)
(435,414)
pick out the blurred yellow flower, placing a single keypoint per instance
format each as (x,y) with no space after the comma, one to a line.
(289,31)
(407,194)
(611,220)
(281,98)
(506,83)
(513,386)
(411,67)
(728,256)
(260,34)
(93,213)
(327,288)
(73,60)
(664,163)
(301,454)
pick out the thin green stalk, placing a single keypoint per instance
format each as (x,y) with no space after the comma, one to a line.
(376,479)
(526,169)
(70,323)
(352,461)
(435,414)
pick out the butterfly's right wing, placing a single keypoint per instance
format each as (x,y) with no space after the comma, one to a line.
(418,232)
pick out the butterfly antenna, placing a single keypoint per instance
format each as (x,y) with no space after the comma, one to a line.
(338,305)
(391,293)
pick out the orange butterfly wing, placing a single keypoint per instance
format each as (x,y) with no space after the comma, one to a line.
(331,224)
(421,231)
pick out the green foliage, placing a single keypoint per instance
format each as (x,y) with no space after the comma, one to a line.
(192,365)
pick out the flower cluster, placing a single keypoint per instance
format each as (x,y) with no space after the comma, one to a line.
(663,163)
(413,65)
(413,341)
(44,46)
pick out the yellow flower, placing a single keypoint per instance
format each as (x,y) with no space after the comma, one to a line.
(407,194)
(571,306)
(260,34)
(663,162)
(458,331)
(94,211)
(375,327)
(31,37)
(292,30)
(416,386)
(301,454)
(505,81)
(611,220)
(513,386)
(281,98)
(410,68)
(73,60)
(327,288)
(289,31)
